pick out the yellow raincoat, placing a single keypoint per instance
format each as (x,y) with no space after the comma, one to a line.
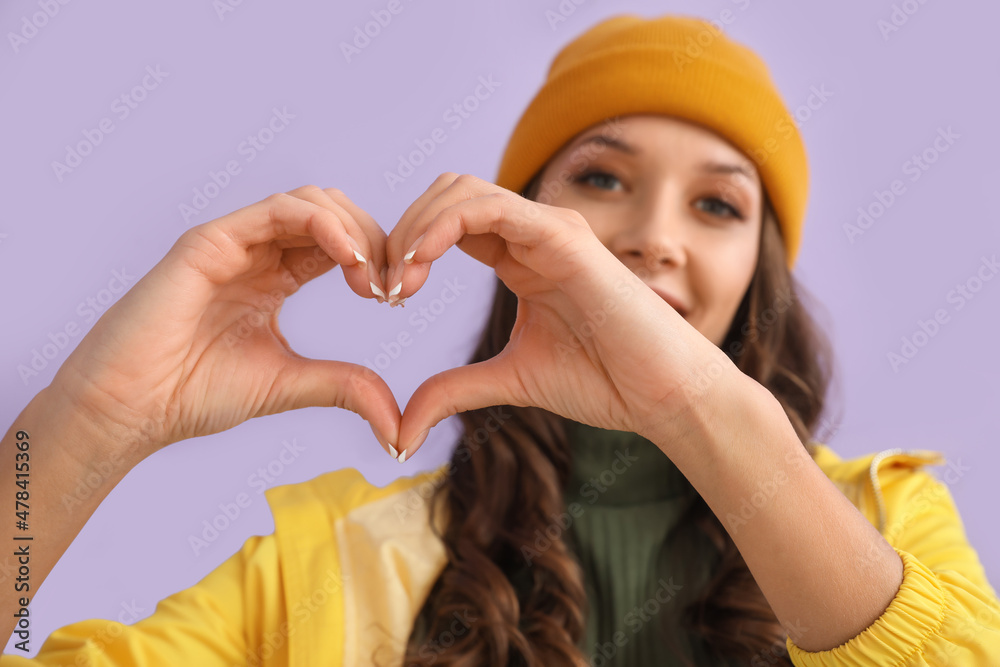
(349,565)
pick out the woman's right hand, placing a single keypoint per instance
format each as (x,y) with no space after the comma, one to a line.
(194,348)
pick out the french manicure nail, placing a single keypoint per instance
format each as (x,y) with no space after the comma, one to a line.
(402,457)
(376,291)
(395,278)
(361,259)
(357,248)
(381,438)
(408,257)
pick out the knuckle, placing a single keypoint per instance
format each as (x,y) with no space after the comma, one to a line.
(576,218)
(467,180)
(362,383)
(278,198)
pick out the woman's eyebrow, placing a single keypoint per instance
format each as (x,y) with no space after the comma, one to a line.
(603,141)
(727,168)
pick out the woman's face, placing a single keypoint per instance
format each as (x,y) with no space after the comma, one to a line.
(676,203)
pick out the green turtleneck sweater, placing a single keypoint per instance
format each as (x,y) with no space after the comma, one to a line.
(625,496)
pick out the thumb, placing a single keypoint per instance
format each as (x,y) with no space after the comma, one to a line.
(478,385)
(323,383)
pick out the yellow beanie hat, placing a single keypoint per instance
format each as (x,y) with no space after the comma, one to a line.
(675,65)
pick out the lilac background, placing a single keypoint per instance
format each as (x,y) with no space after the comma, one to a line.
(60,242)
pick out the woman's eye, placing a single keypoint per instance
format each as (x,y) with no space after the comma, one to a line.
(721,207)
(600,175)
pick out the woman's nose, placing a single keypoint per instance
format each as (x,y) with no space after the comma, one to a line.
(654,238)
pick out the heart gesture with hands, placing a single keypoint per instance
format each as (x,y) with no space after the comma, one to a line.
(591,342)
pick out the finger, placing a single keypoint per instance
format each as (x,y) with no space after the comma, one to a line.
(478,385)
(375,250)
(447,189)
(362,229)
(543,240)
(402,236)
(307,382)
(223,249)
(305,264)
(407,231)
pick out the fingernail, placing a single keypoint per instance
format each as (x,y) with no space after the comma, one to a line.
(402,457)
(420,439)
(401,301)
(396,274)
(395,290)
(382,439)
(408,257)
(376,291)
(394,293)
(357,250)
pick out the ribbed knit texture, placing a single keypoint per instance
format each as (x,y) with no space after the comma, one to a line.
(625,496)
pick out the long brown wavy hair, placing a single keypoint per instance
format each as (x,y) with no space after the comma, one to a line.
(506,481)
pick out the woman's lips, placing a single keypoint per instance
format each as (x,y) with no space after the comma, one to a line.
(674,302)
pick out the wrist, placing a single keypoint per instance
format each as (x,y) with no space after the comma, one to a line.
(715,405)
(85,435)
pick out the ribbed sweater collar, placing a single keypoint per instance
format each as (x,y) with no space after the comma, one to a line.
(619,468)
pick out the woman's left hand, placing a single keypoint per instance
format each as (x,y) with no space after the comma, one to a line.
(591,341)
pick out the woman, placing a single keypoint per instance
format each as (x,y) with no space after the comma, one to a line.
(647,491)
